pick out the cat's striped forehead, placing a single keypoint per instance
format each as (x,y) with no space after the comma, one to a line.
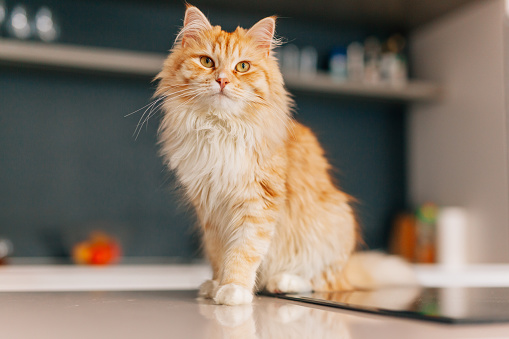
(226,44)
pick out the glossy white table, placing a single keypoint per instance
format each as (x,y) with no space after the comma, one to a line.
(144,301)
(178,314)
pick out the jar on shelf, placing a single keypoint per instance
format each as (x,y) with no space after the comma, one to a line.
(19,25)
(46,26)
(3,15)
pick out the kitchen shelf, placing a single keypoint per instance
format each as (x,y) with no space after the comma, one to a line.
(80,57)
(322,83)
(115,61)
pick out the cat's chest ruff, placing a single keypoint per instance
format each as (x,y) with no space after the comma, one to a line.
(218,150)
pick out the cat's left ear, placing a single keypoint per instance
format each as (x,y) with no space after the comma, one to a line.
(263,33)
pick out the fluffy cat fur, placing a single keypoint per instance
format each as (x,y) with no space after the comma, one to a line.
(269,212)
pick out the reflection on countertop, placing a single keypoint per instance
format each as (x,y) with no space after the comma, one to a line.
(179,314)
(270,319)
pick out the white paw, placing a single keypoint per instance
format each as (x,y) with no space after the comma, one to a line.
(207,289)
(287,283)
(233,316)
(232,294)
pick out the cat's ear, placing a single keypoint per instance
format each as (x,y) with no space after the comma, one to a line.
(194,23)
(263,33)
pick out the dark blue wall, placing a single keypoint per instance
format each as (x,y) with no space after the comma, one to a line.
(68,159)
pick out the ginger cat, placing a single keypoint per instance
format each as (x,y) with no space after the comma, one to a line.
(270,215)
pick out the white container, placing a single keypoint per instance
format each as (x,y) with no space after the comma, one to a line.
(452,237)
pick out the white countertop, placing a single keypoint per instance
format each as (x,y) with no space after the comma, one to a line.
(482,275)
(145,277)
(143,301)
(44,277)
(179,314)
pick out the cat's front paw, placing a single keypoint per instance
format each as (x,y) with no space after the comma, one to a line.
(231,294)
(208,289)
(287,283)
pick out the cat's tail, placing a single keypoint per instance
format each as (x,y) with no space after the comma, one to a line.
(369,270)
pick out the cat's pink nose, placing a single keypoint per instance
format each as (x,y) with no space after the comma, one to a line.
(222,82)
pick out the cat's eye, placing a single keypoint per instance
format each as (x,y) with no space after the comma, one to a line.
(242,66)
(207,62)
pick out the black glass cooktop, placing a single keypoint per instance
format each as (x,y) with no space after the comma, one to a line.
(447,305)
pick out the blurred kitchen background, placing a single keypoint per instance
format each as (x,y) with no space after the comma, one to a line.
(71,72)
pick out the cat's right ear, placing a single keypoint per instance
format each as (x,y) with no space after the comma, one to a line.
(194,23)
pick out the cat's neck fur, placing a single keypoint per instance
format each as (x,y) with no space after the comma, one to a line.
(233,135)
(214,150)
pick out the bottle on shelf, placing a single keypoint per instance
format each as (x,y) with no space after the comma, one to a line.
(290,59)
(355,62)
(393,65)
(372,50)
(338,64)
(308,61)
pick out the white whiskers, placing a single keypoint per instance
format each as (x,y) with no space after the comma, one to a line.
(150,109)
